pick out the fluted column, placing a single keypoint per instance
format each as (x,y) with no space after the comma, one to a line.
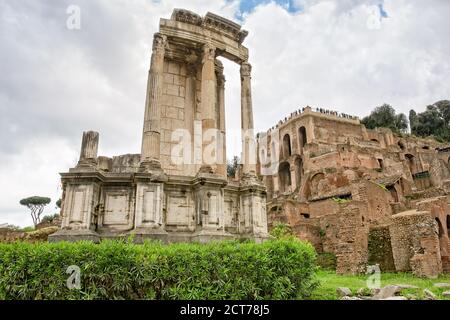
(89,148)
(248,138)
(222,167)
(150,154)
(208,105)
(89,145)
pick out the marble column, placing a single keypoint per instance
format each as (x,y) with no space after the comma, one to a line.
(150,155)
(208,106)
(189,115)
(89,146)
(248,138)
(222,166)
(89,149)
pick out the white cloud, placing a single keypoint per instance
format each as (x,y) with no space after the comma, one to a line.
(55,83)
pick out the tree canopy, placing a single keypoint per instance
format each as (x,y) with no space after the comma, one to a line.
(232,166)
(434,121)
(385,116)
(36,205)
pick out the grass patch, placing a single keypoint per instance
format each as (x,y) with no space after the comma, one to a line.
(329,281)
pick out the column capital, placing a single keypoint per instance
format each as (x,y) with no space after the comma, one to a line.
(159,43)
(246,69)
(209,53)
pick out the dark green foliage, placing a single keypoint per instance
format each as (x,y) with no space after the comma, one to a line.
(119,270)
(58,203)
(327,260)
(434,121)
(384,116)
(232,166)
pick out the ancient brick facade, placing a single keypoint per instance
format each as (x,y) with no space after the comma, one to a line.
(345,188)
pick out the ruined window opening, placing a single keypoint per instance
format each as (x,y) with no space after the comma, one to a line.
(380,163)
(305,215)
(284,173)
(375,140)
(448,225)
(393,192)
(401,145)
(302,137)
(426,147)
(287,146)
(410,160)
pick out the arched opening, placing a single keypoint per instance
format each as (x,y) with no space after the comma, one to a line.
(375,140)
(315,180)
(286,146)
(302,137)
(448,225)
(380,163)
(284,175)
(401,145)
(411,163)
(393,192)
(426,148)
(298,172)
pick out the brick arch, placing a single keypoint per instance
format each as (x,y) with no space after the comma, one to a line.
(284,175)
(314,182)
(287,150)
(302,137)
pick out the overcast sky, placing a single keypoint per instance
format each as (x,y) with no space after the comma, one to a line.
(55,82)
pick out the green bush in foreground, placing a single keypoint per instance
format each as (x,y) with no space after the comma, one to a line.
(118,270)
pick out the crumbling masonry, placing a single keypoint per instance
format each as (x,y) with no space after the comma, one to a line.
(367,196)
(176,189)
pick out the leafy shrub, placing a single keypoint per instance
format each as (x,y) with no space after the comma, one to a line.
(119,270)
(282,231)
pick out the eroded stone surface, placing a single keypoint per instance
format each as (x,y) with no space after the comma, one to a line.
(369,197)
(343,291)
(177,188)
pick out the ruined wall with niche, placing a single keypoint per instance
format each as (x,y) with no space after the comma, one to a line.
(415,243)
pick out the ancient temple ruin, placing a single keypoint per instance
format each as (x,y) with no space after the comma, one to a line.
(176,189)
(367,196)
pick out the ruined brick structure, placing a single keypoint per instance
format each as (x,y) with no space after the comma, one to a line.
(349,190)
(176,189)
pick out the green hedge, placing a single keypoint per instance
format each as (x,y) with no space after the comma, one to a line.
(119,270)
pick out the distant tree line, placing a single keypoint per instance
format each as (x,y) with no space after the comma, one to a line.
(433,122)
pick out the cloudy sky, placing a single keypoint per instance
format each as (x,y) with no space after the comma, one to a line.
(55,81)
